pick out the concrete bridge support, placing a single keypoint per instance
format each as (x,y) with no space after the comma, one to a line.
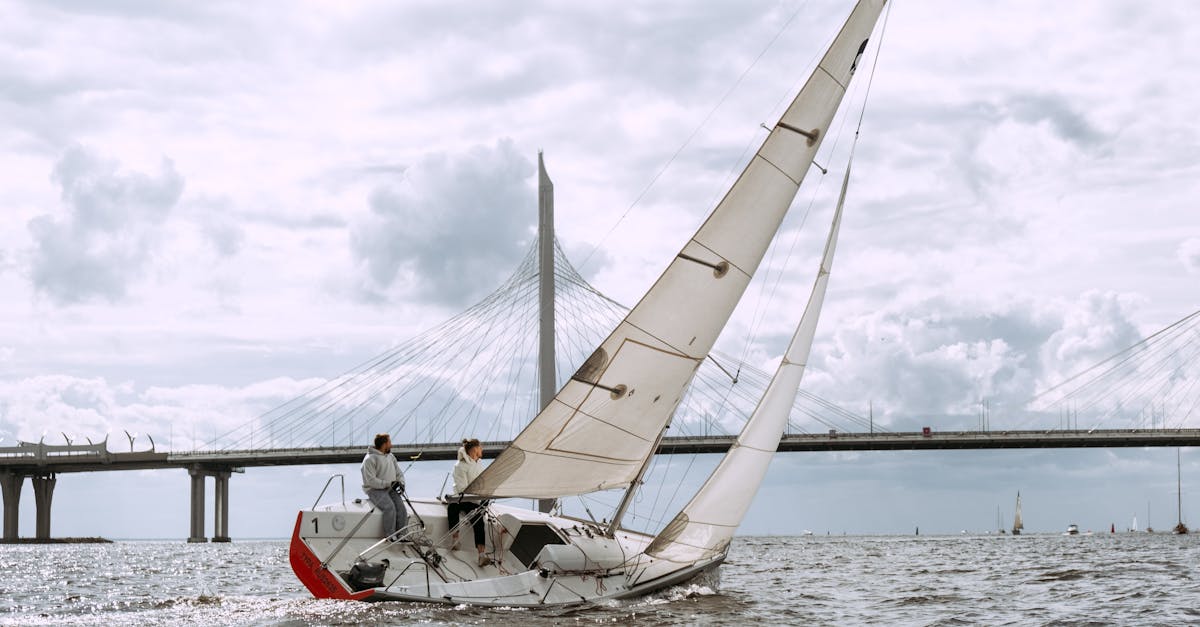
(10,486)
(43,495)
(221,507)
(196,534)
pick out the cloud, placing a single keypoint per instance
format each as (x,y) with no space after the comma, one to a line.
(179,417)
(109,231)
(1099,326)
(1058,113)
(1189,254)
(940,358)
(452,230)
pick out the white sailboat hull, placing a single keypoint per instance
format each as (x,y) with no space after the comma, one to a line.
(557,561)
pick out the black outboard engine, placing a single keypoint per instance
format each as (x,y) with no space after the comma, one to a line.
(365,575)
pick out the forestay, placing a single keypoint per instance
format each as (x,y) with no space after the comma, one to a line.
(605,421)
(705,526)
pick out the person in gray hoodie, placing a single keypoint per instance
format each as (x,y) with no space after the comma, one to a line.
(383,482)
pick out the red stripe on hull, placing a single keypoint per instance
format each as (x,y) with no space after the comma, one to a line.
(322,583)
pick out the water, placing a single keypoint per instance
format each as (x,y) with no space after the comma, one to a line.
(1121,579)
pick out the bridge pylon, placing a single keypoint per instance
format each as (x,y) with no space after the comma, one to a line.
(220,503)
(10,486)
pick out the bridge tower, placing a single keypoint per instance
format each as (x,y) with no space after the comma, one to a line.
(547,380)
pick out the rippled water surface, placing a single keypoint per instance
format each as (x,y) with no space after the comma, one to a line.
(1122,579)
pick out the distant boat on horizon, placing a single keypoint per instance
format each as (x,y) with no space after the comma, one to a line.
(1180,528)
(1018,526)
(1072,530)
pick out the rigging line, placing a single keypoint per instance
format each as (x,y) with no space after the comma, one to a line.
(497,349)
(1138,358)
(1169,379)
(756,318)
(732,377)
(526,340)
(1194,377)
(416,345)
(318,408)
(757,321)
(520,362)
(693,134)
(466,342)
(1156,373)
(1192,408)
(1137,384)
(1166,329)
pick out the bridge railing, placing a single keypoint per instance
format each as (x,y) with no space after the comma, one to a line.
(42,453)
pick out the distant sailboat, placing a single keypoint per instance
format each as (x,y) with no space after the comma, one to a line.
(1180,528)
(1018,526)
(1133,528)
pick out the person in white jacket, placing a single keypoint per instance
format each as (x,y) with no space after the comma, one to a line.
(465,471)
(383,482)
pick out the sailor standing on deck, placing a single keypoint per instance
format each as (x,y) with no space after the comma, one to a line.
(383,482)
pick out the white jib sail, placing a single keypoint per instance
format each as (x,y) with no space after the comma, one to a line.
(605,421)
(705,526)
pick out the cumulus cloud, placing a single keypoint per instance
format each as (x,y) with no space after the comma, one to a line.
(1097,327)
(108,231)
(453,228)
(939,359)
(180,417)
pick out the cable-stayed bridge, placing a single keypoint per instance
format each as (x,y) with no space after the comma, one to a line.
(482,374)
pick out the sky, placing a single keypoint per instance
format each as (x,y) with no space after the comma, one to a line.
(207,208)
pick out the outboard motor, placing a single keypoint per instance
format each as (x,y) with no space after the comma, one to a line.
(365,575)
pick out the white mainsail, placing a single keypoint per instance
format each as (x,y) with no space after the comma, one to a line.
(607,419)
(1017,524)
(705,526)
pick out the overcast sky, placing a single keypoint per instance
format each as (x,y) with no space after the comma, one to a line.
(205,208)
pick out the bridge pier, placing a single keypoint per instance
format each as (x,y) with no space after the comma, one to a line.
(43,495)
(221,507)
(10,485)
(197,510)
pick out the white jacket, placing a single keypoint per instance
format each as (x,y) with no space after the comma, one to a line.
(465,471)
(379,470)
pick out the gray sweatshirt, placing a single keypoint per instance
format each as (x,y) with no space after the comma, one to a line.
(379,470)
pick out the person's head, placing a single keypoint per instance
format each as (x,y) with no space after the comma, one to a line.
(473,448)
(383,443)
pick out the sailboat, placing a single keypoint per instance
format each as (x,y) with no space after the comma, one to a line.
(1018,526)
(1180,528)
(604,425)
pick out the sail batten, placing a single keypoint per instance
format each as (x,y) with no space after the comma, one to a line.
(601,429)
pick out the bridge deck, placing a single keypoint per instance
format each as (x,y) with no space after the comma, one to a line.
(29,463)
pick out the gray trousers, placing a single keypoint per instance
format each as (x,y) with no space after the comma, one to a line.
(391,506)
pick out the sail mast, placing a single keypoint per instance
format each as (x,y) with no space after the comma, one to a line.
(627,498)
